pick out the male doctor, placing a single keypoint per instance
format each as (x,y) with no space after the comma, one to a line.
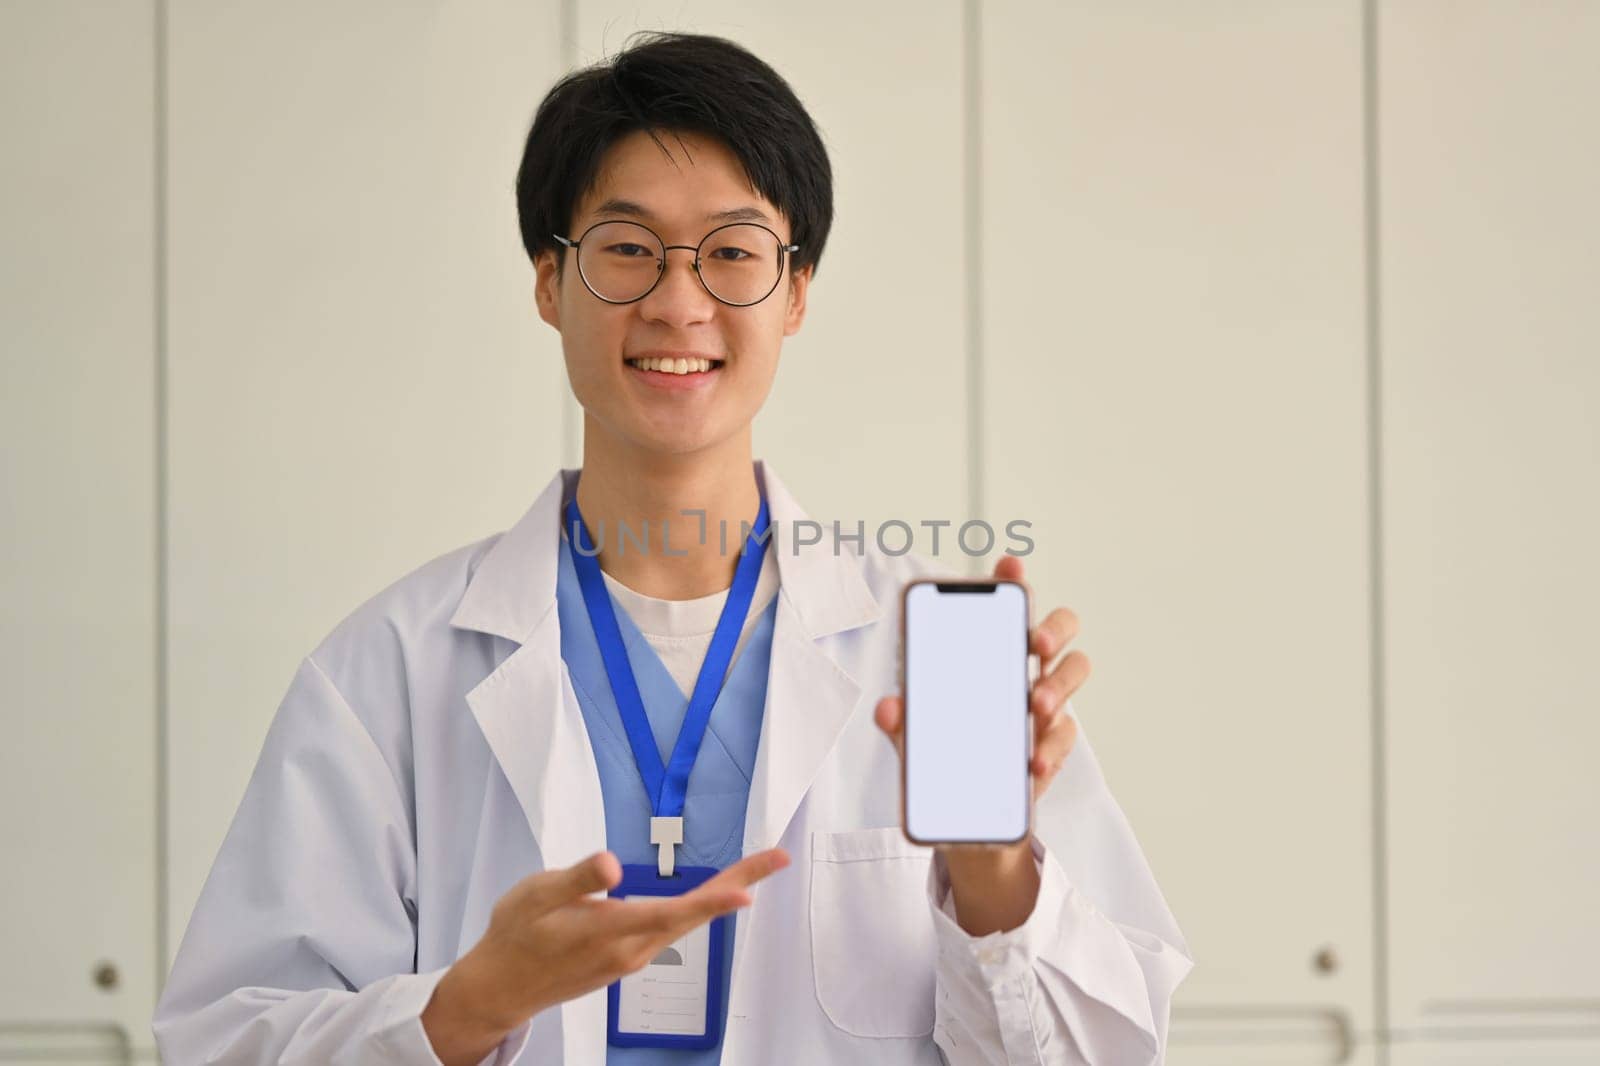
(465,766)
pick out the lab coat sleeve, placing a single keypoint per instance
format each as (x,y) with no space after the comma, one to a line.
(302,947)
(1089,977)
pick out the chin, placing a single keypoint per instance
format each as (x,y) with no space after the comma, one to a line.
(670,443)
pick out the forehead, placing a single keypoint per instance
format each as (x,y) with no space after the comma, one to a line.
(696,181)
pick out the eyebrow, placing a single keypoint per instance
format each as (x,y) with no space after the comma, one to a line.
(615,206)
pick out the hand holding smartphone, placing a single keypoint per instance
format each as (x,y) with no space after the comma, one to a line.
(967,737)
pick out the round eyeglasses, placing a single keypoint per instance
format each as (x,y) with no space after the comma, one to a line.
(621,262)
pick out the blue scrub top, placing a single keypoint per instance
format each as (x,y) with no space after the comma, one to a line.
(719,785)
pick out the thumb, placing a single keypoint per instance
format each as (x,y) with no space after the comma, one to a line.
(542,892)
(1008,568)
(888,714)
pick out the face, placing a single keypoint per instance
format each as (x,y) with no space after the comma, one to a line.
(650,409)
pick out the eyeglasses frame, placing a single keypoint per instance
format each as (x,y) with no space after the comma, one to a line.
(784,251)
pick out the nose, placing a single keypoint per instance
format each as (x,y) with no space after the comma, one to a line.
(678,296)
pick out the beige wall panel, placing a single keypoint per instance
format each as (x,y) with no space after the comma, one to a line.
(359,377)
(78,614)
(1174,394)
(1491,159)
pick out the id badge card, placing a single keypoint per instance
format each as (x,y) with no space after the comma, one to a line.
(675,1001)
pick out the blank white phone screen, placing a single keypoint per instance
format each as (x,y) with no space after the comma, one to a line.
(966,729)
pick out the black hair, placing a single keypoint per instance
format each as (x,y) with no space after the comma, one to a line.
(681,83)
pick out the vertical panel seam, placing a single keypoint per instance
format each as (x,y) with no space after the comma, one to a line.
(1373,236)
(571,444)
(163,797)
(972,219)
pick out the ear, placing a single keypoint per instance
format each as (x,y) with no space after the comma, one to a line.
(547,288)
(799,281)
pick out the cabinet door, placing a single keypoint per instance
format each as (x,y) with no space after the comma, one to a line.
(866,421)
(79,1043)
(1313,1044)
(1491,159)
(1528,1051)
(79,613)
(359,379)
(1174,394)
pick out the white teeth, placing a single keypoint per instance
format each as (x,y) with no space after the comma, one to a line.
(673,366)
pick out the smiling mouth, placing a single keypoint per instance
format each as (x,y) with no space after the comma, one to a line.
(680,366)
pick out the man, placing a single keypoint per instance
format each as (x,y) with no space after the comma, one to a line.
(465,765)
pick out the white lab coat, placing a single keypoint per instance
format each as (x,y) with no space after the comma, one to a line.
(430,752)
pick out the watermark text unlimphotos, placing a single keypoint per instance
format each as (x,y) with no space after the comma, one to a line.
(894,536)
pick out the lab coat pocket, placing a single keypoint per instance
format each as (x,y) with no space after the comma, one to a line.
(872,937)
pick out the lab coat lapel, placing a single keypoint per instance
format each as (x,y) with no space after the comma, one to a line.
(810,699)
(531,719)
(525,708)
(810,695)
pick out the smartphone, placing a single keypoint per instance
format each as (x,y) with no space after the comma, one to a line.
(967,735)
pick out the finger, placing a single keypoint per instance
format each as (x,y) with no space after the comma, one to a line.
(546,891)
(1059,627)
(1043,722)
(729,889)
(747,871)
(666,918)
(671,916)
(1053,690)
(889,714)
(627,938)
(1008,568)
(1051,751)
(1043,719)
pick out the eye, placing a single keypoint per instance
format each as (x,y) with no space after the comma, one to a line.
(630,251)
(739,254)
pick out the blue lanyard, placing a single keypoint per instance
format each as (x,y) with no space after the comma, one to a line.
(666,786)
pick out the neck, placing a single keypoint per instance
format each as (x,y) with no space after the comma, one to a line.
(648,492)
